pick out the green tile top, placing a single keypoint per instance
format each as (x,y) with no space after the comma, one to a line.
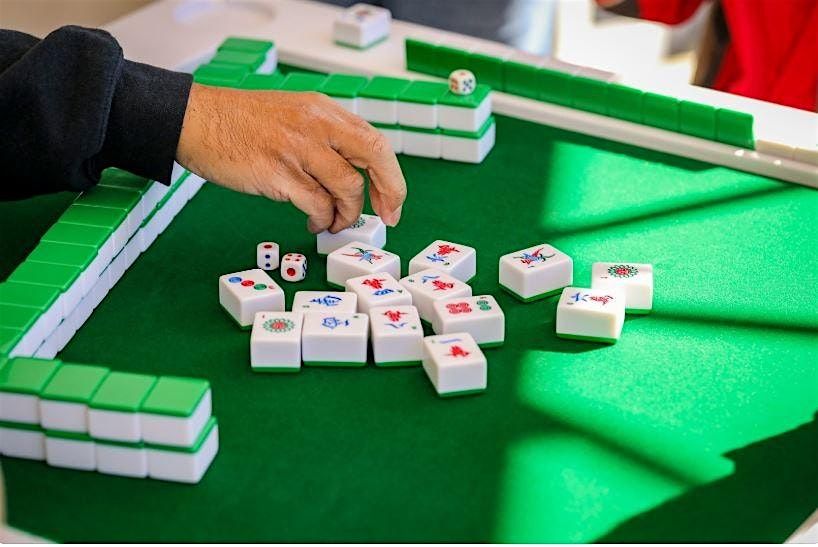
(262,81)
(18,317)
(23,294)
(74,383)
(77,234)
(197,444)
(105,196)
(302,81)
(424,92)
(123,392)
(176,396)
(104,217)
(219,74)
(27,375)
(248,59)
(473,100)
(9,338)
(66,254)
(55,275)
(343,85)
(246,44)
(119,178)
(384,87)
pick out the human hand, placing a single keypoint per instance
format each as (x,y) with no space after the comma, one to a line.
(298,147)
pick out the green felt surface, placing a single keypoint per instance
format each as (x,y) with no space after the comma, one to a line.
(698,424)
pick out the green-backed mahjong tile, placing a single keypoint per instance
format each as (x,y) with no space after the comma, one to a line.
(24,294)
(27,375)
(104,217)
(424,92)
(384,88)
(343,85)
(119,178)
(65,254)
(77,234)
(105,196)
(302,81)
(55,275)
(262,81)
(472,100)
(74,383)
(243,58)
(175,396)
(123,392)
(249,45)
(18,317)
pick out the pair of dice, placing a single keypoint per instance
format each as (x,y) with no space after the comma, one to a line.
(293,265)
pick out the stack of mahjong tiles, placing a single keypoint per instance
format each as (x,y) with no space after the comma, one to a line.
(90,418)
(51,294)
(594,314)
(235,58)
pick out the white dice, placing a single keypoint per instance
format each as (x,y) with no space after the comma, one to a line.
(368,229)
(275,343)
(455,364)
(325,301)
(595,315)
(636,280)
(397,336)
(462,82)
(480,316)
(429,285)
(536,272)
(357,259)
(293,267)
(378,290)
(243,294)
(362,25)
(457,260)
(334,340)
(267,255)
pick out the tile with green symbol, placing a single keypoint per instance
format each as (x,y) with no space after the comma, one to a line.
(247,45)
(104,217)
(77,234)
(22,294)
(27,375)
(9,338)
(423,92)
(119,178)
(302,81)
(74,383)
(55,275)
(343,85)
(472,100)
(384,88)
(105,196)
(123,392)
(176,396)
(18,317)
(262,81)
(66,254)
(244,58)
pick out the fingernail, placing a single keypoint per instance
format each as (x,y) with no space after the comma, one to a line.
(394,217)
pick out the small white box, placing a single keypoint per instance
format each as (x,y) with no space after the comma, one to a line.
(480,316)
(72,451)
(368,229)
(397,336)
(429,285)
(536,272)
(275,343)
(267,255)
(335,339)
(455,259)
(325,301)
(362,25)
(242,294)
(378,290)
(122,459)
(595,315)
(22,442)
(455,364)
(422,144)
(357,259)
(636,280)
(185,465)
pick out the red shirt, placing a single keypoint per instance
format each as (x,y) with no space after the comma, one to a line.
(773,49)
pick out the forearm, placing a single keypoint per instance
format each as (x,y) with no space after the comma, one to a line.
(72,106)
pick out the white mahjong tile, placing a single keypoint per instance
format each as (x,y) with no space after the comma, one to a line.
(480,316)
(397,335)
(429,285)
(368,229)
(275,343)
(591,314)
(636,280)
(325,301)
(536,272)
(380,289)
(357,259)
(330,339)
(455,364)
(454,259)
(242,294)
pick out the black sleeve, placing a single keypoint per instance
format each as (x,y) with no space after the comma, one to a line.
(71,105)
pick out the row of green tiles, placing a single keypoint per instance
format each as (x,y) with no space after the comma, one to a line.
(346,86)
(67,249)
(100,388)
(610,99)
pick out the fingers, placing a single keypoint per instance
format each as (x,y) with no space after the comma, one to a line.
(344,183)
(310,197)
(363,146)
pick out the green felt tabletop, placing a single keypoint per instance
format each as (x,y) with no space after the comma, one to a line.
(24,294)
(53,275)
(697,425)
(123,392)
(66,254)
(74,383)
(175,396)
(104,217)
(384,88)
(27,375)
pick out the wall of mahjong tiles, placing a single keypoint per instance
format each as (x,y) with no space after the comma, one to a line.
(698,425)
